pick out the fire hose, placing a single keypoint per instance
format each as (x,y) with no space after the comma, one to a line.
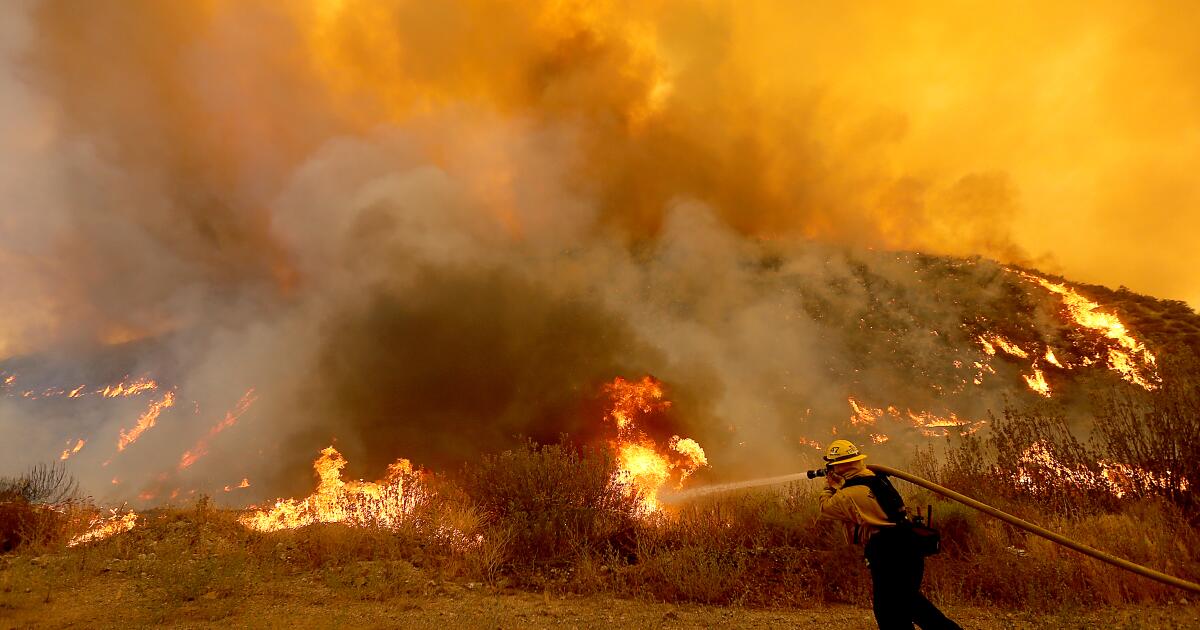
(1038,531)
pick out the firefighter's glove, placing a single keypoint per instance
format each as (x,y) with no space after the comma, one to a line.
(834,481)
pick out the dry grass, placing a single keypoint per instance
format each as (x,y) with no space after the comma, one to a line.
(549,519)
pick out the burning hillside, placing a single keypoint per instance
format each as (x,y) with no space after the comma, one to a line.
(371,296)
(430,231)
(895,372)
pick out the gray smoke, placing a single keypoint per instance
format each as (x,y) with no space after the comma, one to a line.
(429,288)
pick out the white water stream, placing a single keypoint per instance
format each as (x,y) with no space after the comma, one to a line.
(692,493)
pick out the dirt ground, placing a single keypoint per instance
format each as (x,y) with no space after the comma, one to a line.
(126,600)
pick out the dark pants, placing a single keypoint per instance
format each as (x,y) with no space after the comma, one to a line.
(896,573)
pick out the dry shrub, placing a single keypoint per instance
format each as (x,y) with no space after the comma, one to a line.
(439,531)
(333,545)
(1158,434)
(486,558)
(24,524)
(35,508)
(694,574)
(1152,523)
(48,484)
(554,503)
(754,548)
(551,517)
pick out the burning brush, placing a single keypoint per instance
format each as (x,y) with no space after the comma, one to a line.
(385,503)
(643,466)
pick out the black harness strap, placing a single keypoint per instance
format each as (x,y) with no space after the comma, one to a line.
(885,494)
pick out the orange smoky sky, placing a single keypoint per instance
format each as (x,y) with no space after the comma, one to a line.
(1062,135)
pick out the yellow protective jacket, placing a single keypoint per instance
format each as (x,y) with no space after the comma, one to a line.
(856,507)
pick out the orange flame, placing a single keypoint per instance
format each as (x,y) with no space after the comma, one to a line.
(120,390)
(928,423)
(690,449)
(67,453)
(103,527)
(201,448)
(863,415)
(1037,381)
(811,443)
(145,421)
(231,487)
(641,465)
(124,389)
(630,400)
(384,503)
(1116,477)
(992,341)
(1087,314)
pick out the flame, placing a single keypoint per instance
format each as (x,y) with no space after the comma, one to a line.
(1116,477)
(811,443)
(863,415)
(928,423)
(103,527)
(67,453)
(630,400)
(145,421)
(118,390)
(642,466)
(1122,477)
(127,389)
(189,457)
(1087,314)
(991,341)
(384,503)
(690,449)
(981,368)
(1037,381)
(1039,454)
(230,488)
(645,469)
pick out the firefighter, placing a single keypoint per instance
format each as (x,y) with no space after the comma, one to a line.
(874,515)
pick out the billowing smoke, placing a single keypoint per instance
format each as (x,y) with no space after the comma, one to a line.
(422,229)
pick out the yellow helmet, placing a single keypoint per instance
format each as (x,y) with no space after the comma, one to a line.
(842,451)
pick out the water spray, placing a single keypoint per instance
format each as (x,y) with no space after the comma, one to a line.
(965,500)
